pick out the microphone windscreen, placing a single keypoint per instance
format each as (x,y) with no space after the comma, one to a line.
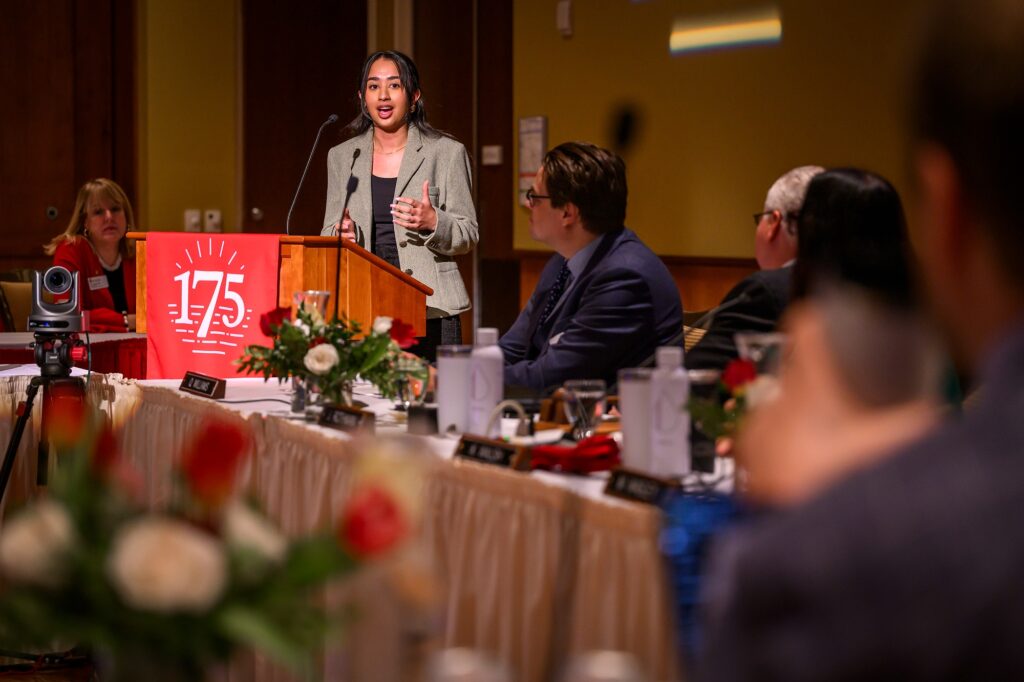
(332,118)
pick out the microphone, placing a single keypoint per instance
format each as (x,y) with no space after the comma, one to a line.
(350,187)
(288,221)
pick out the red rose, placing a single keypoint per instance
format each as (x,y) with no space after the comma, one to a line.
(402,333)
(105,453)
(210,464)
(269,322)
(317,341)
(372,522)
(738,373)
(64,405)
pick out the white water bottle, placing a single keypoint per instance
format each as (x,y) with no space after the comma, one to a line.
(486,382)
(453,372)
(670,419)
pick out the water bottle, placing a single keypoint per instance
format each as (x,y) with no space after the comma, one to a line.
(670,420)
(486,383)
(453,376)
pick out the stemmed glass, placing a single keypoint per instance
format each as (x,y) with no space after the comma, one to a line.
(584,405)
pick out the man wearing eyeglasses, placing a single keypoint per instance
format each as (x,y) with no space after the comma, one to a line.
(756,304)
(604,301)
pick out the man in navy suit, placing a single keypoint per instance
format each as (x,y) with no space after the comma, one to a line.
(604,301)
(912,567)
(756,304)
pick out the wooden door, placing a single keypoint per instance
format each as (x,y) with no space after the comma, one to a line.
(301,63)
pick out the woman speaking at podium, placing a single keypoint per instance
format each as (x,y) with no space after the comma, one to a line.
(402,189)
(94,245)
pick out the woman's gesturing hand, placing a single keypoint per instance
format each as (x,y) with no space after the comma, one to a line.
(347,227)
(416,214)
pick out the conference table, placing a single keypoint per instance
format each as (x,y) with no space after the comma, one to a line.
(533,568)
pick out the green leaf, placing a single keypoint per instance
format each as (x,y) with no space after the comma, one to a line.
(250,627)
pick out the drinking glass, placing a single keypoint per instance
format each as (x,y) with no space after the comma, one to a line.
(704,385)
(312,301)
(584,405)
(764,349)
(412,382)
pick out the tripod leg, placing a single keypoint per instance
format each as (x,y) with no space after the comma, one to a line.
(66,394)
(19,429)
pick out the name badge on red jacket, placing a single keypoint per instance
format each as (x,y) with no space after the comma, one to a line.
(98,282)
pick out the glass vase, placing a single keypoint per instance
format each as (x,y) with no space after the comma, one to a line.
(313,301)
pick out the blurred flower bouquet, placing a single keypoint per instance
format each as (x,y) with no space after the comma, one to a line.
(162,595)
(329,356)
(720,415)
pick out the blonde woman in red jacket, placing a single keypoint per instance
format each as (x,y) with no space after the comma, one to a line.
(95,246)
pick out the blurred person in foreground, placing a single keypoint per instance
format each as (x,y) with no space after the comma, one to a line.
(604,300)
(756,304)
(909,567)
(94,245)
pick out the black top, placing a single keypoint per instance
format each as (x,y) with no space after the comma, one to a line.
(115,280)
(382,192)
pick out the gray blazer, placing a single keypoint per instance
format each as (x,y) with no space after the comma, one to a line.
(427,256)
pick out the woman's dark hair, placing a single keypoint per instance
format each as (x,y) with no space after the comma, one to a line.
(410,79)
(852,230)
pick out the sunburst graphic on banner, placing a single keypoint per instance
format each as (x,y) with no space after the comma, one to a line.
(209,314)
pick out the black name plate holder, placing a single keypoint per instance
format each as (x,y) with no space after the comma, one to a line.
(202,385)
(494,452)
(638,487)
(350,419)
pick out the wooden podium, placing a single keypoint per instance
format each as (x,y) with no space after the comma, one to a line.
(370,287)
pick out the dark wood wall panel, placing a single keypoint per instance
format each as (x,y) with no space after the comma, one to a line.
(60,87)
(301,63)
(445,32)
(496,198)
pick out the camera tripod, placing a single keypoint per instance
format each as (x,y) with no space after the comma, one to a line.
(55,355)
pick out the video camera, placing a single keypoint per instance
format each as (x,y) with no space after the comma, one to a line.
(56,324)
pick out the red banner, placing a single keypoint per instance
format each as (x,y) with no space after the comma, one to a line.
(204,297)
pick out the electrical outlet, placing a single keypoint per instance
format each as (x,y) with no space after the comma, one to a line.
(193,220)
(211,220)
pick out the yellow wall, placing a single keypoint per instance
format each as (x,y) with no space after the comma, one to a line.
(718,127)
(188,110)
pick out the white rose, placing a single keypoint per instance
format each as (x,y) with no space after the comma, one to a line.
(382,325)
(320,359)
(762,390)
(162,564)
(245,529)
(33,543)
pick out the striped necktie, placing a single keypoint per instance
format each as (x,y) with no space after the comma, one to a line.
(556,292)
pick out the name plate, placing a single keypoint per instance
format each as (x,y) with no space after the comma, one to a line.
(348,419)
(494,452)
(205,386)
(638,487)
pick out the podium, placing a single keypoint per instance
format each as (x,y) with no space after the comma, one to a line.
(370,286)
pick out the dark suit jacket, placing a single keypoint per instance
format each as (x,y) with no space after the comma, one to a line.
(623,306)
(910,570)
(767,295)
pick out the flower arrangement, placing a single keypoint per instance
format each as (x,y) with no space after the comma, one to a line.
(329,356)
(165,594)
(720,415)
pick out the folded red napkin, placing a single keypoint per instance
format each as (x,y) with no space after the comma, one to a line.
(597,453)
